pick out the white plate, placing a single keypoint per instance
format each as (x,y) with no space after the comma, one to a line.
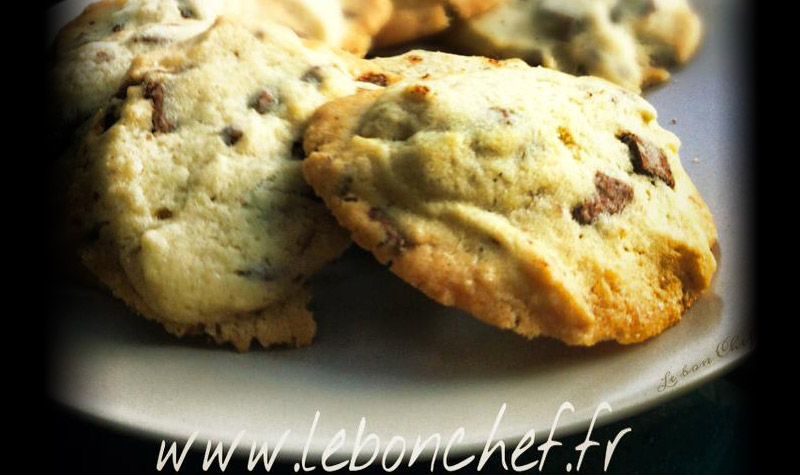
(411,367)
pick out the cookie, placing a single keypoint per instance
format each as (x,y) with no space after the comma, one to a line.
(465,9)
(346,24)
(629,42)
(363,20)
(413,19)
(94,51)
(320,20)
(537,201)
(189,197)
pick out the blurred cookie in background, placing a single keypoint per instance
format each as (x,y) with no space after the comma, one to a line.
(92,53)
(414,19)
(629,42)
(363,20)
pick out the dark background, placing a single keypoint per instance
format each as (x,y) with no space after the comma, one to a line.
(707,431)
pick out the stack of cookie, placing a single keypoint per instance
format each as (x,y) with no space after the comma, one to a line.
(207,132)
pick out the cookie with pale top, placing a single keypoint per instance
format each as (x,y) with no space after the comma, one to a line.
(537,201)
(93,52)
(188,193)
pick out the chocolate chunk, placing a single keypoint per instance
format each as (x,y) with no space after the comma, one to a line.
(103,56)
(392,236)
(164,213)
(647,159)
(313,76)
(117,27)
(186,11)
(150,39)
(374,78)
(155,90)
(261,273)
(122,92)
(231,135)
(264,102)
(611,196)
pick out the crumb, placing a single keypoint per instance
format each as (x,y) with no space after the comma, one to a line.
(673,121)
(696,160)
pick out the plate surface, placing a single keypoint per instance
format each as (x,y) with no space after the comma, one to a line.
(411,367)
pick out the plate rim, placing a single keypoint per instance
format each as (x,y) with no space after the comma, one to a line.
(629,407)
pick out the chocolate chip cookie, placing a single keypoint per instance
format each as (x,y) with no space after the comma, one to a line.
(94,51)
(629,42)
(537,201)
(363,20)
(189,195)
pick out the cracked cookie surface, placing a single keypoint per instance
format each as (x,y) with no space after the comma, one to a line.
(629,42)
(424,64)
(93,51)
(189,195)
(537,201)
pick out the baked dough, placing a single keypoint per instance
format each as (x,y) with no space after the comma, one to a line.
(188,192)
(414,19)
(629,42)
(94,51)
(535,200)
